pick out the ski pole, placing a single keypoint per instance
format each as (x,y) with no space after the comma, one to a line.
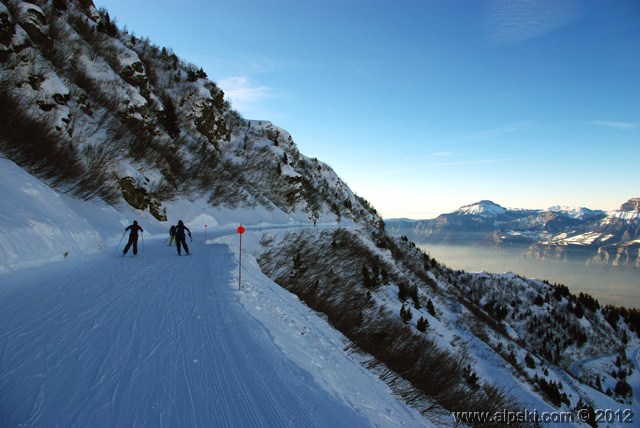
(123,233)
(142,240)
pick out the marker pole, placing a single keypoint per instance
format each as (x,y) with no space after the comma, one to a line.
(240,232)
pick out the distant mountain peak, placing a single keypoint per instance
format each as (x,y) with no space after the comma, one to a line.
(576,212)
(483,208)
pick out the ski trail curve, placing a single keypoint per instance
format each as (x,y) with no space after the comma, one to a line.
(156,340)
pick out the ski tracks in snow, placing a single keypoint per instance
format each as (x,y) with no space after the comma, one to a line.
(156,340)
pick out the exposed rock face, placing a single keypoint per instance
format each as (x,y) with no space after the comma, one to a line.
(547,252)
(116,107)
(7,30)
(628,255)
(632,204)
(31,18)
(141,199)
(623,255)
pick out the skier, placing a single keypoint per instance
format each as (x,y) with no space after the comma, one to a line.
(172,235)
(181,238)
(133,238)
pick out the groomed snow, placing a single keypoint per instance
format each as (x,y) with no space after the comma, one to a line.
(94,339)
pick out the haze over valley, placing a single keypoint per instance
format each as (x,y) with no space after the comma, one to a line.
(591,251)
(617,286)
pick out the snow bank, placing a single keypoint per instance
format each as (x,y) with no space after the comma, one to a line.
(37,225)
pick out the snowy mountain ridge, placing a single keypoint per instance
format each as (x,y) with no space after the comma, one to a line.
(129,119)
(574,233)
(574,211)
(103,127)
(483,208)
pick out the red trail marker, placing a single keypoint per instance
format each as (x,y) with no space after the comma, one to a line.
(240,232)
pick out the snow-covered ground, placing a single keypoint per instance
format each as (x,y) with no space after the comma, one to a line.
(91,338)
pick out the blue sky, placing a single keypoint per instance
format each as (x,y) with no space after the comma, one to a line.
(424,106)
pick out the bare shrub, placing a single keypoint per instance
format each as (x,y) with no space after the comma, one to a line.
(36,146)
(99,180)
(401,354)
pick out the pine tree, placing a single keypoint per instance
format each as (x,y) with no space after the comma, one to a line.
(623,389)
(170,118)
(201,74)
(470,376)
(405,314)
(529,361)
(402,292)
(578,310)
(107,26)
(422,324)
(366,277)
(430,308)
(598,383)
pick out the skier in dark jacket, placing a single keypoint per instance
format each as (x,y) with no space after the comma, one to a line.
(181,238)
(133,238)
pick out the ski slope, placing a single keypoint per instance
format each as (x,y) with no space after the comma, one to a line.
(89,338)
(160,340)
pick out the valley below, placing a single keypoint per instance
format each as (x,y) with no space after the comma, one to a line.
(619,286)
